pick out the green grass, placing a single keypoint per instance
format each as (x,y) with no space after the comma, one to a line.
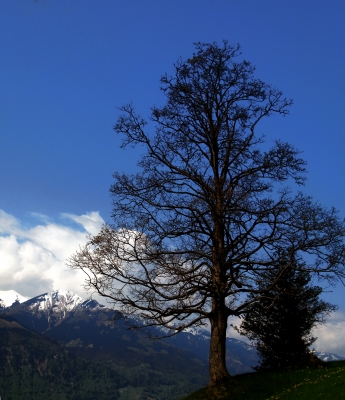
(325,382)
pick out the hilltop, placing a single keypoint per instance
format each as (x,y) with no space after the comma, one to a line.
(326,382)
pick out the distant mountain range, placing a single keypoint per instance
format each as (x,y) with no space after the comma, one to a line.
(142,368)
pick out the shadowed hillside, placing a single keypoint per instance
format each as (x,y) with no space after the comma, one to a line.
(33,367)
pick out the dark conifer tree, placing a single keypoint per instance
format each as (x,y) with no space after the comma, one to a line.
(281,321)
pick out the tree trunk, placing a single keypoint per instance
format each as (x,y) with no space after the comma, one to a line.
(218,370)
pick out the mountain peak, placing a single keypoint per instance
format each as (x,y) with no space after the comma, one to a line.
(58,300)
(91,304)
(8,297)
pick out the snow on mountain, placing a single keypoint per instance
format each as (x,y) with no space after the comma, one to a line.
(60,301)
(202,333)
(8,297)
(206,335)
(91,304)
(57,300)
(47,310)
(328,356)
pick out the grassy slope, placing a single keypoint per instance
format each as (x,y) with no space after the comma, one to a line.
(326,382)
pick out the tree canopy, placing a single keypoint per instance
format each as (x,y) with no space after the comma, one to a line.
(196,229)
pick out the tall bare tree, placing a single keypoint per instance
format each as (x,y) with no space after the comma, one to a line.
(207,214)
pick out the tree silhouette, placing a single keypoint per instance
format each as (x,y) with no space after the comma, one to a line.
(281,321)
(194,230)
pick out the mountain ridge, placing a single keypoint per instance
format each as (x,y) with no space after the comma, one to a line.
(53,307)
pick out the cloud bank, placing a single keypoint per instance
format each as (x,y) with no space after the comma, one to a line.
(32,260)
(330,337)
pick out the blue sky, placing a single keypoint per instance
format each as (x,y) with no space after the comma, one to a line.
(66,65)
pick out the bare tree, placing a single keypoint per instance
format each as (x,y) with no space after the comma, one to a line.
(197,228)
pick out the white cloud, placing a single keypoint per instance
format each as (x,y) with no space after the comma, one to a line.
(232,332)
(8,223)
(330,337)
(44,218)
(32,260)
(92,222)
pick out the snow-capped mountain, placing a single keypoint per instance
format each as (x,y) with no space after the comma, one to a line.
(91,305)
(42,312)
(57,300)
(204,334)
(328,356)
(8,297)
(60,301)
